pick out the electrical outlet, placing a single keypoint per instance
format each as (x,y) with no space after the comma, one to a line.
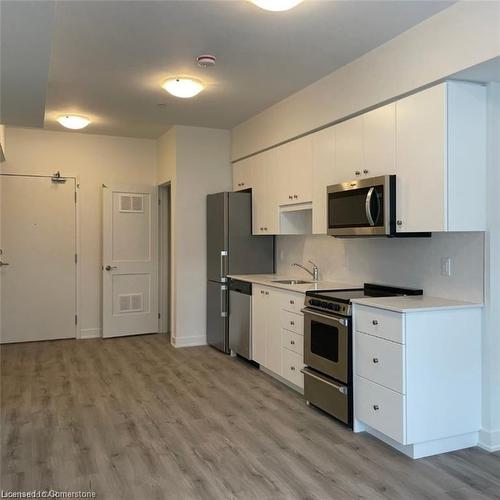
(445,266)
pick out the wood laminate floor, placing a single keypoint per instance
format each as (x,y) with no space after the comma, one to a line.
(134,418)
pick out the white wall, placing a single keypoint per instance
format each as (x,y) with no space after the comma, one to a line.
(202,166)
(457,38)
(414,262)
(95,160)
(491,336)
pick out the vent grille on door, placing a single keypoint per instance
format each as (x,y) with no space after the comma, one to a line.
(132,302)
(131,203)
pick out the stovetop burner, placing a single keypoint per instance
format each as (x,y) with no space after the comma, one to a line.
(339,301)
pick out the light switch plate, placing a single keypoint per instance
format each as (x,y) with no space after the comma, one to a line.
(445,266)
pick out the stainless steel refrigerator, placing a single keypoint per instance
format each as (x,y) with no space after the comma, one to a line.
(231,249)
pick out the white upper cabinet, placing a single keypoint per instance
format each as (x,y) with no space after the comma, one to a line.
(323,175)
(366,145)
(293,161)
(265,211)
(349,158)
(440,159)
(242,174)
(379,141)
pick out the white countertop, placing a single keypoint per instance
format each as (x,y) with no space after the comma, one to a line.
(417,303)
(270,280)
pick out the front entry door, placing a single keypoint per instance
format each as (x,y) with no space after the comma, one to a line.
(38,258)
(130,261)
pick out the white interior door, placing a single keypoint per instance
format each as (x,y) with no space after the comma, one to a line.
(38,275)
(130,261)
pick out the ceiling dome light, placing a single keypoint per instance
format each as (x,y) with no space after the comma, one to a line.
(183,87)
(276,5)
(74,122)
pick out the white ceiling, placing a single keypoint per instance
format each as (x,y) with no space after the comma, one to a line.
(108,58)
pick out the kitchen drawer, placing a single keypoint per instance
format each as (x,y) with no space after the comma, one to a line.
(381,361)
(292,364)
(293,341)
(379,322)
(380,408)
(293,322)
(292,302)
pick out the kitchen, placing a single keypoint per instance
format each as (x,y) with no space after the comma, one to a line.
(320,273)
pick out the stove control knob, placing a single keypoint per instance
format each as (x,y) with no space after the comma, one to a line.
(337,307)
(331,306)
(324,304)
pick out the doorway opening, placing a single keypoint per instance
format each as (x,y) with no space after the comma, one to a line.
(165,253)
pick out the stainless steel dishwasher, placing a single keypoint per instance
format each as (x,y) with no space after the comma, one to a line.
(240,306)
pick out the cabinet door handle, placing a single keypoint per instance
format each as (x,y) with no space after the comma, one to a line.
(292,342)
(267,293)
(375,322)
(375,360)
(357,172)
(292,368)
(292,323)
(399,222)
(292,302)
(365,171)
(376,407)
(290,197)
(295,196)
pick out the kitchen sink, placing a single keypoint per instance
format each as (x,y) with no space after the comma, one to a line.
(292,282)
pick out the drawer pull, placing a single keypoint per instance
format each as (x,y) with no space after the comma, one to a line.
(267,293)
(292,302)
(292,323)
(376,407)
(292,368)
(375,322)
(292,342)
(375,360)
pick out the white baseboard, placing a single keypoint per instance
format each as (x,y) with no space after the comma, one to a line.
(429,448)
(489,440)
(195,340)
(90,333)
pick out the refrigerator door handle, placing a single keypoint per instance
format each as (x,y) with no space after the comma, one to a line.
(223,301)
(223,254)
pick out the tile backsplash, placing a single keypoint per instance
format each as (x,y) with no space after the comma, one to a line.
(413,262)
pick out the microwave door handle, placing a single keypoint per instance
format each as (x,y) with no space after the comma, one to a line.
(368,203)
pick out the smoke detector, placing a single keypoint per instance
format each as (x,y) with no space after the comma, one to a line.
(205,61)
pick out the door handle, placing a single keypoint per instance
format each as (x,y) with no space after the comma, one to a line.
(223,311)
(368,209)
(2,264)
(110,268)
(223,254)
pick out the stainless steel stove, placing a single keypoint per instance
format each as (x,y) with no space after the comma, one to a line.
(328,345)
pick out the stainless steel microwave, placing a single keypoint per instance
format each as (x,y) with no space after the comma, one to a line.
(365,207)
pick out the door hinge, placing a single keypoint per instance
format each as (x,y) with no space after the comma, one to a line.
(159,315)
(75,196)
(159,201)
(76,258)
(76,319)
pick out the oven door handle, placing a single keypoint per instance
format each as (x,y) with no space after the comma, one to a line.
(341,388)
(342,321)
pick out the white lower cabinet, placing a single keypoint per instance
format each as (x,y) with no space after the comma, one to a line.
(292,366)
(277,332)
(417,377)
(380,408)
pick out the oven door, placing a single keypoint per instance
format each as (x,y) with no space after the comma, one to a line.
(327,344)
(362,208)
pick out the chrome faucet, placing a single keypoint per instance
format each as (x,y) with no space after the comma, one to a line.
(315,270)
